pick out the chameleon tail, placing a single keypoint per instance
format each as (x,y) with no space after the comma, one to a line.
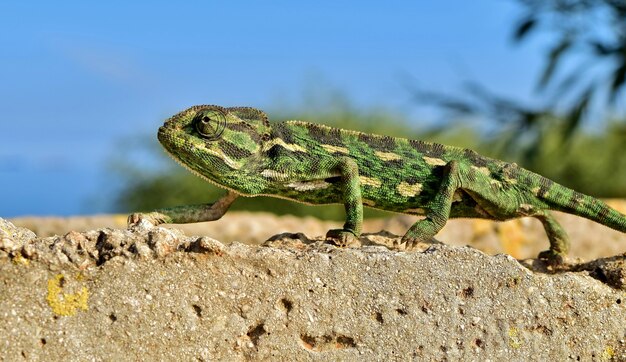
(561,198)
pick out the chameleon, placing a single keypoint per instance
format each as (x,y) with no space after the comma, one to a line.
(239,150)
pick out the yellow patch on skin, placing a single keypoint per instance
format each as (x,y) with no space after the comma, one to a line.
(434,161)
(525,208)
(535,190)
(484,170)
(369,181)
(288,146)
(65,304)
(227,160)
(273,174)
(408,190)
(387,156)
(418,211)
(367,202)
(333,149)
(310,185)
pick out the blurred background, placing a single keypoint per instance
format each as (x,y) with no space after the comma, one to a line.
(84,87)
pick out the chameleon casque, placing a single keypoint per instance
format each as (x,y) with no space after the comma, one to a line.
(239,150)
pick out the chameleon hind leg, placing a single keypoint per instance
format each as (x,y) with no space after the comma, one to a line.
(559,241)
(500,207)
(438,209)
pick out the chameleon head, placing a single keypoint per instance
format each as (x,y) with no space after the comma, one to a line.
(214,141)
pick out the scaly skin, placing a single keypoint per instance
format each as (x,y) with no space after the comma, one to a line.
(237,149)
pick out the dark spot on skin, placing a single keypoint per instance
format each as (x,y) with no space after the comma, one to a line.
(233,151)
(604,213)
(511,171)
(369,140)
(333,180)
(280,131)
(378,143)
(476,159)
(433,150)
(421,146)
(369,165)
(275,152)
(398,163)
(575,200)
(544,186)
(387,144)
(326,135)
(247,129)
(437,150)
(411,180)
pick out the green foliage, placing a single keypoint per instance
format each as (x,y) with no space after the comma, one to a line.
(594,163)
(586,61)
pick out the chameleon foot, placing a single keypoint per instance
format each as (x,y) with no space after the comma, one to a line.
(410,243)
(145,221)
(342,238)
(552,257)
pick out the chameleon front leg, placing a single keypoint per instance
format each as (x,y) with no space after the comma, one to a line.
(186,214)
(351,193)
(438,209)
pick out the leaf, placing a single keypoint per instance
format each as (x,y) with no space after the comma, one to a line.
(601,49)
(576,114)
(524,27)
(619,76)
(446,102)
(553,60)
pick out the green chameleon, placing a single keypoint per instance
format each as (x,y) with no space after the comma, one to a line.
(239,150)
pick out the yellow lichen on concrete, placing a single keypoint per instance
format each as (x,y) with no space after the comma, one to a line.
(514,340)
(20,260)
(608,354)
(65,304)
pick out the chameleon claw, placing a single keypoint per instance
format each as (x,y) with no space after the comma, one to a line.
(144,221)
(342,238)
(407,243)
(552,257)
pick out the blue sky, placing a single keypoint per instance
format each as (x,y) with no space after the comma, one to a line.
(76,77)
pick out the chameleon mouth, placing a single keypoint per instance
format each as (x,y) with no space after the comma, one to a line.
(163,134)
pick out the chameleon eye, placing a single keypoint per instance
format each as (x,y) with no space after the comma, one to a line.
(210,124)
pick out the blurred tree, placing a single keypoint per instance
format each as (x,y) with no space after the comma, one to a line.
(588,47)
(583,76)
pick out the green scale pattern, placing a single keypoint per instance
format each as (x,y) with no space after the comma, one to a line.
(238,149)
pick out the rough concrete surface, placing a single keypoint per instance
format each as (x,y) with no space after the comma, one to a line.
(521,238)
(156,294)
